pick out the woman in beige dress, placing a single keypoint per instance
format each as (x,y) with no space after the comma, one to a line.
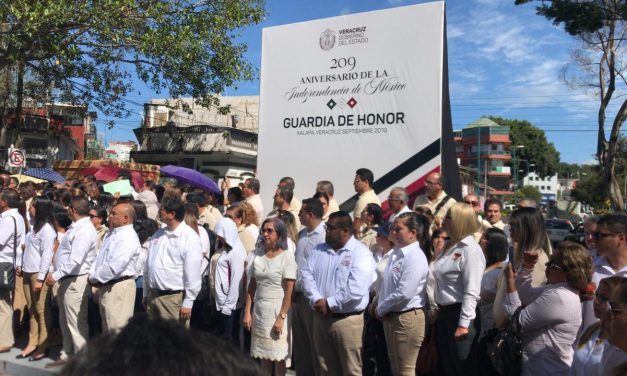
(271,285)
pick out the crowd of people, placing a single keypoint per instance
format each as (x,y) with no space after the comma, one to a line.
(309,286)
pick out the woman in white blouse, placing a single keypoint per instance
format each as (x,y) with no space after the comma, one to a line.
(35,265)
(402,295)
(549,323)
(457,273)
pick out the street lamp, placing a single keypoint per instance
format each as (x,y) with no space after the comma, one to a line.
(515,165)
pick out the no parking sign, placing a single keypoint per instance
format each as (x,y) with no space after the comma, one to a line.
(17,158)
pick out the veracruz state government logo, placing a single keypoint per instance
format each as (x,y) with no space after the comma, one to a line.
(327,40)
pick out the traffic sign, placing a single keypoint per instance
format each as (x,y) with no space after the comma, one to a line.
(17,158)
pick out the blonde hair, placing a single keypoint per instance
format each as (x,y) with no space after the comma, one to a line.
(578,263)
(464,222)
(250,215)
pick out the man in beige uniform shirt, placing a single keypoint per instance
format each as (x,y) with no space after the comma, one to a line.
(250,191)
(435,199)
(327,186)
(364,179)
(282,201)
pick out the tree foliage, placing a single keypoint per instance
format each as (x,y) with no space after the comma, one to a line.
(90,51)
(537,149)
(529,191)
(600,25)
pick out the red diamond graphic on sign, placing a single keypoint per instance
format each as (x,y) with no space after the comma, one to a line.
(351,103)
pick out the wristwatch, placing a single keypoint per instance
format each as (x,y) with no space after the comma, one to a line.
(283,315)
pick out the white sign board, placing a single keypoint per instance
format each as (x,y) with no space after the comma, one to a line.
(348,92)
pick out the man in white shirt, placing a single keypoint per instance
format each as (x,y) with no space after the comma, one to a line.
(72,263)
(295,204)
(172,271)
(364,179)
(250,191)
(313,234)
(435,199)
(11,237)
(492,210)
(115,269)
(336,280)
(398,202)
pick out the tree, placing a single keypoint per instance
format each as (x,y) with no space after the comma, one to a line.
(537,150)
(529,191)
(89,52)
(600,25)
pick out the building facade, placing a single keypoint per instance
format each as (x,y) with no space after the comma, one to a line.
(548,186)
(212,143)
(484,147)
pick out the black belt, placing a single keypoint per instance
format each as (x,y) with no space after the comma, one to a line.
(449,307)
(344,315)
(165,292)
(407,310)
(111,282)
(70,276)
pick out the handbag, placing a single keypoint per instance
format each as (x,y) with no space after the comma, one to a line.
(7,269)
(428,357)
(505,351)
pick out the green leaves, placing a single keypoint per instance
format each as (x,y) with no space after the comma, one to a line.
(90,50)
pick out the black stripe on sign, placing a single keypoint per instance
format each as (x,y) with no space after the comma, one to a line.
(399,172)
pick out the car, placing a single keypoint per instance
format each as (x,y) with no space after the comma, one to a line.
(577,235)
(558,229)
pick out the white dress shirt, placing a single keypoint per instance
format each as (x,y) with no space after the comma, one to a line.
(549,326)
(341,277)
(307,240)
(458,272)
(77,250)
(39,250)
(173,262)
(118,255)
(404,209)
(7,228)
(255,202)
(404,281)
(227,268)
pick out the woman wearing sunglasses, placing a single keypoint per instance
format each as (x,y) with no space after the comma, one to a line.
(550,323)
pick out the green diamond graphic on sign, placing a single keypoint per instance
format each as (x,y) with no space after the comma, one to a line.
(331,104)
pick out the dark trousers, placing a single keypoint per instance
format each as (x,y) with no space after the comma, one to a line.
(375,361)
(225,326)
(457,358)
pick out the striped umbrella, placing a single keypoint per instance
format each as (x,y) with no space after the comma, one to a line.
(45,174)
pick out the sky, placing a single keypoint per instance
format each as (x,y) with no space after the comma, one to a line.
(504,60)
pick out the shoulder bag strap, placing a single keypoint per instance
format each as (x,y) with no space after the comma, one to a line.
(441,204)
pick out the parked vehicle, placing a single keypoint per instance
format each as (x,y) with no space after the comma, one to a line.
(558,229)
(577,235)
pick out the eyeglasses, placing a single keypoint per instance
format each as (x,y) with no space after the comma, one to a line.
(267,230)
(553,265)
(601,235)
(472,203)
(616,312)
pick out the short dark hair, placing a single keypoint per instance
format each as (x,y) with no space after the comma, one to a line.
(237,192)
(365,175)
(80,206)
(375,211)
(326,186)
(615,222)
(148,345)
(126,174)
(145,228)
(197,198)
(286,193)
(288,182)
(12,198)
(313,206)
(173,204)
(343,219)
(492,201)
(497,245)
(102,214)
(253,184)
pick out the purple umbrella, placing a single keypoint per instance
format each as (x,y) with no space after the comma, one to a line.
(191,177)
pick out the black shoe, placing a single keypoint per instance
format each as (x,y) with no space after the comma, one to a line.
(24,356)
(38,357)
